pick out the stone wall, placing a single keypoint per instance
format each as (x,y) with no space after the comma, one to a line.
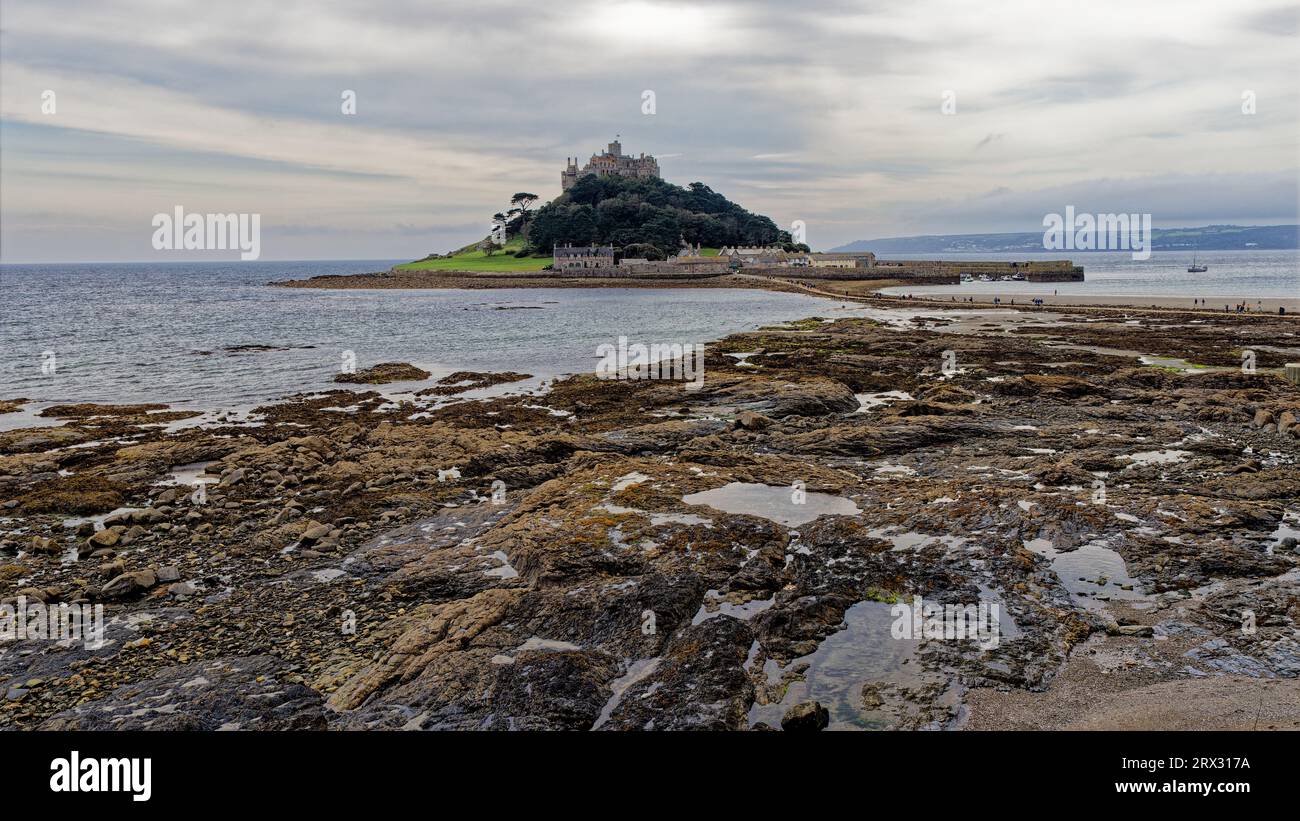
(936,271)
(668,267)
(657,271)
(1074,274)
(1055,270)
(653,270)
(934,276)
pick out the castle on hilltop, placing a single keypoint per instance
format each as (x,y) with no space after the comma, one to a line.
(612,162)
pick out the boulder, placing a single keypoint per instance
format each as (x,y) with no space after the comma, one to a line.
(168,574)
(315,532)
(234,477)
(807,716)
(129,584)
(750,420)
(384,373)
(108,537)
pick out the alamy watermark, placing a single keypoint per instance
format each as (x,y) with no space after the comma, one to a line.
(34,620)
(1100,232)
(948,622)
(659,360)
(208,232)
(77,774)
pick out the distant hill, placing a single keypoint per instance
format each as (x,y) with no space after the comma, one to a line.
(1207,238)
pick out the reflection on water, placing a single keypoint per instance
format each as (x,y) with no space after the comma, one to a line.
(775,503)
(213,335)
(1093,573)
(860,674)
(1239,275)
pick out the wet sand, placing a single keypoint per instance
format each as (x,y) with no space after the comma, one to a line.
(1213,304)
(867,289)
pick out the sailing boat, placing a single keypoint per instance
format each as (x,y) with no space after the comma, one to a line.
(1196,269)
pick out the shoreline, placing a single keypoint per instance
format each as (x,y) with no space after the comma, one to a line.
(866,291)
(537,530)
(1214,304)
(469,281)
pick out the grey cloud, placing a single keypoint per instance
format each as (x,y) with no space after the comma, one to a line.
(1219,198)
(1283,21)
(828,109)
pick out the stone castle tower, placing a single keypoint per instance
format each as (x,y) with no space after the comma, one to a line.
(611,161)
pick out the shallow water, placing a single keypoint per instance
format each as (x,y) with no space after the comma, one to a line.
(1236,275)
(867,401)
(636,671)
(178,333)
(1288,528)
(774,503)
(863,652)
(1168,456)
(1092,573)
(722,607)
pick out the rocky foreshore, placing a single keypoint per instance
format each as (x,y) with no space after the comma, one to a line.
(620,555)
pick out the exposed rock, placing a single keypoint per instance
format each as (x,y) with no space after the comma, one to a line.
(383,373)
(808,715)
(497,564)
(129,584)
(250,693)
(752,421)
(315,532)
(168,574)
(108,537)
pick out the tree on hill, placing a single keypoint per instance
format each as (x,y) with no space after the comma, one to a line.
(643,250)
(624,211)
(522,202)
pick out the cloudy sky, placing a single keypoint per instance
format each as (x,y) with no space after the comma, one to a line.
(826,111)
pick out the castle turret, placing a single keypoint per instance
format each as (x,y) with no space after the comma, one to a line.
(570,174)
(611,162)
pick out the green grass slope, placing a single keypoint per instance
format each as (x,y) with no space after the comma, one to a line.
(470,258)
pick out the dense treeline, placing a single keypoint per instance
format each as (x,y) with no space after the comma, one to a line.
(620,211)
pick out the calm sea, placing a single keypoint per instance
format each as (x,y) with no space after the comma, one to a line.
(173,332)
(211,335)
(1233,275)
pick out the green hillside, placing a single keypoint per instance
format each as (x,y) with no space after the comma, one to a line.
(643,218)
(470,258)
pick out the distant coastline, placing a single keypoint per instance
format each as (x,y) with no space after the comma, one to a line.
(1205,238)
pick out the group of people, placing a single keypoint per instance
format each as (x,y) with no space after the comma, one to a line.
(997,300)
(1242,307)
